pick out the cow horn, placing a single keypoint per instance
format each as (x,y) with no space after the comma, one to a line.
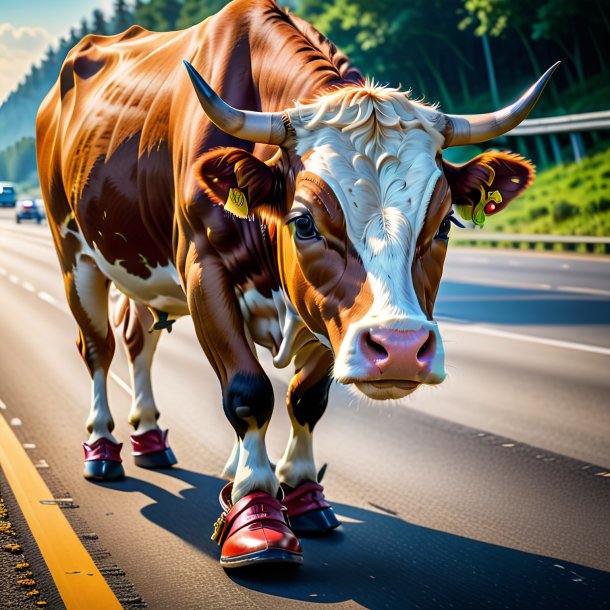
(263,127)
(460,130)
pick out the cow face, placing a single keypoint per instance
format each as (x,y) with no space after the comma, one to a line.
(363,204)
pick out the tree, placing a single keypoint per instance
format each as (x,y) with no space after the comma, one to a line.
(160,15)
(99,23)
(123,17)
(195,11)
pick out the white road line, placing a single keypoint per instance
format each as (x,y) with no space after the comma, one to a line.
(15,421)
(596,291)
(2,405)
(29,287)
(122,384)
(492,332)
(13,279)
(525,286)
(51,300)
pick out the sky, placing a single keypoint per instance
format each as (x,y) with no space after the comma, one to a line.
(28,27)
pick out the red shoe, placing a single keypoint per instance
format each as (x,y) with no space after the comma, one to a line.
(308,511)
(150,449)
(103,460)
(254,531)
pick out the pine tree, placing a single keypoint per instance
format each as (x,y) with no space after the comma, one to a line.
(99,23)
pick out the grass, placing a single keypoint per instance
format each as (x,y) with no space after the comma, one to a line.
(569,199)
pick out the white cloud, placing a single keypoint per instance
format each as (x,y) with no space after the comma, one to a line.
(20,47)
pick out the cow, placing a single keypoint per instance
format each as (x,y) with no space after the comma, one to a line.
(280,199)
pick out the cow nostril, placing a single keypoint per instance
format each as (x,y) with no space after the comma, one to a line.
(379,352)
(426,351)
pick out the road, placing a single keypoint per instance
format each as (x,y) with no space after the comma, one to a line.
(490,491)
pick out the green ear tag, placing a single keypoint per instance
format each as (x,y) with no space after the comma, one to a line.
(465,211)
(237,203)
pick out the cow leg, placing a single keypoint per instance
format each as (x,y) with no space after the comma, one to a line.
(306,399)
(87,294)
(149,442)
(252,528)
(246,390)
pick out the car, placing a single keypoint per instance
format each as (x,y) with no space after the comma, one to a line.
(29,209)
(8,195)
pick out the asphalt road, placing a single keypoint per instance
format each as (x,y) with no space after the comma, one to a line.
(490,491)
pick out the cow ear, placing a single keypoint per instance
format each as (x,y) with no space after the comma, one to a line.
(488,183)
(243,184)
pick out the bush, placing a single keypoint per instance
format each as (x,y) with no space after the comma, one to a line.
(563,210)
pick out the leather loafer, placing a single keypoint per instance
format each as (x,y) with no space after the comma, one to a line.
(254,531)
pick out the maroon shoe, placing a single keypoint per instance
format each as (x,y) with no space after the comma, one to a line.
(308,511)
(254,531)
(103,460)
(150,449)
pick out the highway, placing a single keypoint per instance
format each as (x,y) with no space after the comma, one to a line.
(489,491)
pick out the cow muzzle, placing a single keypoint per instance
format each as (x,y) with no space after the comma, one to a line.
(387,362)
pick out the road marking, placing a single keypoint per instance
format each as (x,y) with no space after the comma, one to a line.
(51,300)
(29,287)
(76,576)
(15,422)
(2,405)
(525,286)
(122,384)
(605,293)
(13,279)
(492,332)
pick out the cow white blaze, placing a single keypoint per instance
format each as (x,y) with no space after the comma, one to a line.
(377,150)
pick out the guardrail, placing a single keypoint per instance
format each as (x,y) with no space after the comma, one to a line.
(591,243)
(560,124)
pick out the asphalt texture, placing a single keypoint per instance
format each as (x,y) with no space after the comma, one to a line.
(490,491)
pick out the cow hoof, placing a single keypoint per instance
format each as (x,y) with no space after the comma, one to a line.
(103,460)
(156,459)
(254,531)
(150,450)
(309,512)
(103,470)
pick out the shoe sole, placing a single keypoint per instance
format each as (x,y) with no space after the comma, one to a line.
(278,556)
(103,470)
(315,523)
(156,459)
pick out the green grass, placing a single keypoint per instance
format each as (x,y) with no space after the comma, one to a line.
(570,199)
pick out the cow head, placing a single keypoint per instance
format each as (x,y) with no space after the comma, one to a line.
(362,203)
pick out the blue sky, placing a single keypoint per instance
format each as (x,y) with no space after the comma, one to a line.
(28,27)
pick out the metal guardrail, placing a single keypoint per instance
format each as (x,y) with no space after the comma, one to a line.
(516,239)
(561,124)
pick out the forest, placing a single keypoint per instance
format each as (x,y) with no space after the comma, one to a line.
(467,55)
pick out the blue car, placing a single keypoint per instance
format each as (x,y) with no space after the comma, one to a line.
(29,209)
(7,194)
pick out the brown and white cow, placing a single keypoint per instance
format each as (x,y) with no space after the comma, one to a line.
(329,252)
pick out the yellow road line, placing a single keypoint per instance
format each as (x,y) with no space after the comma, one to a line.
(76,576)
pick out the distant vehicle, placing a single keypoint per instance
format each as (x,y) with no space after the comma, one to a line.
(29,209)
(8,195)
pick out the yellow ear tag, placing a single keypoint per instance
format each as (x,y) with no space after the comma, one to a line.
(237,203)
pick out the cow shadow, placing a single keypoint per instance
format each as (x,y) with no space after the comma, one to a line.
(500,305)
(381,561)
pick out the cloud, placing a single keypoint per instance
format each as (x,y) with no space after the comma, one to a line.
(20,47)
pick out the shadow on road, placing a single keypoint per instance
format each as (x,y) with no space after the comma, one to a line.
(499,305)
(381,561)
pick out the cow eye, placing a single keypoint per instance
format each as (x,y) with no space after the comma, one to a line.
(305,227)
(443,230)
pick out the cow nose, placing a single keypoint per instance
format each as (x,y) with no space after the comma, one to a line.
(400,354)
